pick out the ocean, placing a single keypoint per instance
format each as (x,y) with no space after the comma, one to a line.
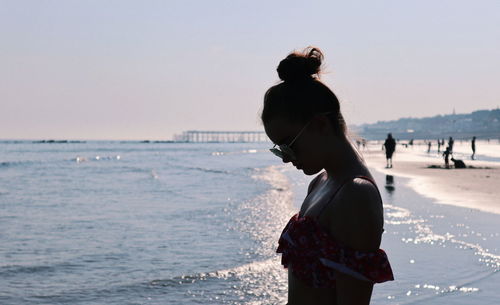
(110,222)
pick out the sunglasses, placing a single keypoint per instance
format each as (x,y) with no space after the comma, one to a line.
(284,150)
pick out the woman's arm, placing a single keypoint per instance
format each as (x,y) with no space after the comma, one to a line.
(351,291)
(361,229)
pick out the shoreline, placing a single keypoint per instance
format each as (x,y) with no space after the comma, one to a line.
(475,188)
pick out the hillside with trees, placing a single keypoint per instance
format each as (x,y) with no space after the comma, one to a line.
(483,124)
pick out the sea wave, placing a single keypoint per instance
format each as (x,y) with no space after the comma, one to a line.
(6,164)
(14,270)
(259,283)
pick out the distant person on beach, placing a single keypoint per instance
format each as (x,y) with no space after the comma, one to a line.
(439,146)
(390,147)
(473,146)
(450,144)
(331,247)
(429,146)
(446,155)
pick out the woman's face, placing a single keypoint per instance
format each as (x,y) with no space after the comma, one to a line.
(306,147)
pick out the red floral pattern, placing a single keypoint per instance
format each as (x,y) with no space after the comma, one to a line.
(307,249)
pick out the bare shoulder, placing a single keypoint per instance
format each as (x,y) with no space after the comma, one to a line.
(357,219)
(360,193)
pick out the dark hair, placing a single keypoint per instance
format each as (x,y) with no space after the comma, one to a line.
(301,94)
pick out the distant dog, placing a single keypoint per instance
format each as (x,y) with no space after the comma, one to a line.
(458,163)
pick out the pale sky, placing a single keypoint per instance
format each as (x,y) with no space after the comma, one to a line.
(100,69)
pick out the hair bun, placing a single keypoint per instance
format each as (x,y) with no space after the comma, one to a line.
(299,66)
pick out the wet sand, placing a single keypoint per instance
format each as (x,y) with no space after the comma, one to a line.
(475,188)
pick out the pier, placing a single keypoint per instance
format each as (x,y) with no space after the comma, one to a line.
(202,136)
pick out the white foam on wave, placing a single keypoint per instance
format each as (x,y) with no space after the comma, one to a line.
(81,159)
(246,151)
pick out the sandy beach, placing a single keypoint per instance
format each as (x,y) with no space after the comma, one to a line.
(475,188)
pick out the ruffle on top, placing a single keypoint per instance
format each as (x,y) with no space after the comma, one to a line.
(314,257)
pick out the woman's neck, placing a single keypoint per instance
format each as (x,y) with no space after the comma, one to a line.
(346,162)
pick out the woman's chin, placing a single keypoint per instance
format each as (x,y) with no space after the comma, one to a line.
(309,171)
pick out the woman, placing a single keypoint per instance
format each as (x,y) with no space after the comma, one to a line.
(331,247)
